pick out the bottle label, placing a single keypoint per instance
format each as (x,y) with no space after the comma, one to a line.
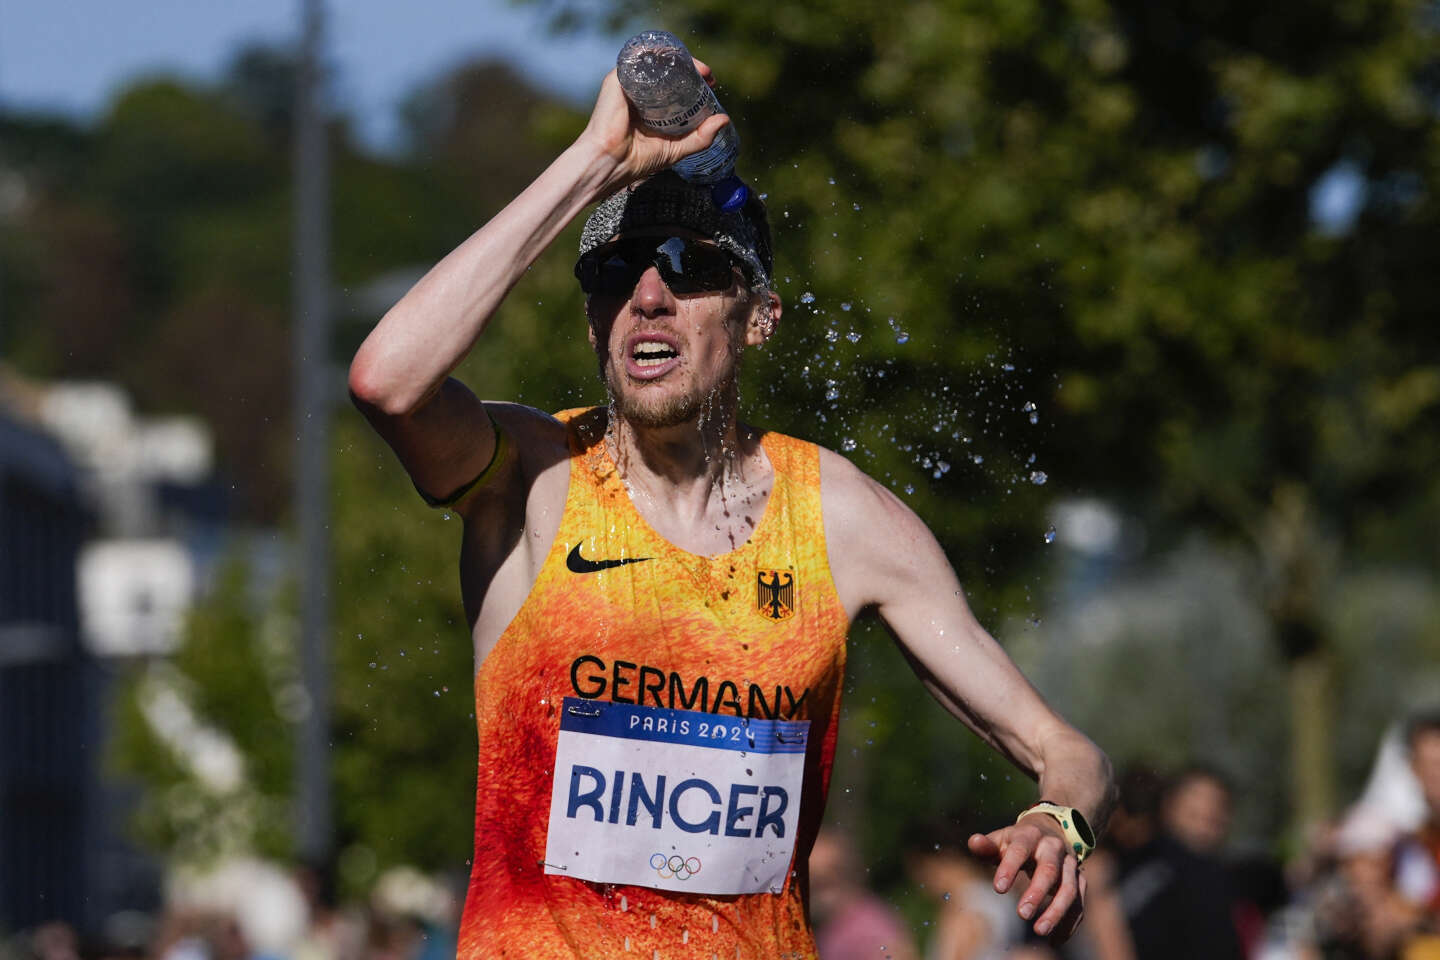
(713,163)
(689,118)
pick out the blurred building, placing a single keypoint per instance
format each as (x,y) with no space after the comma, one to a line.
(107,522)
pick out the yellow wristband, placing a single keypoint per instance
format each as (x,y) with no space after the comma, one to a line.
(1077,831)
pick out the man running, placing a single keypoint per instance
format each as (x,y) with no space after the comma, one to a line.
(659,595)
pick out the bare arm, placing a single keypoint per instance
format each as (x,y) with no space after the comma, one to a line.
(885,559)
(400,377)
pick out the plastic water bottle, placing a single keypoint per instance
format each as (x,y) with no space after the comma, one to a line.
(659,77)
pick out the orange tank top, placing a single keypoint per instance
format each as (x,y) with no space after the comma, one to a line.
(680,711)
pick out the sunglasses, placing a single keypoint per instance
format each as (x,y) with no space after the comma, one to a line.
(686,266)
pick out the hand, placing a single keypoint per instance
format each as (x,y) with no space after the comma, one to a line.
(1036,847)
(616,131)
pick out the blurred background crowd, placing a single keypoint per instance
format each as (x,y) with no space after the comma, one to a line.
(1167,883)
(1132,301)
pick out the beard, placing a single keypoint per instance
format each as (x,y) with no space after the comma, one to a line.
(642,407)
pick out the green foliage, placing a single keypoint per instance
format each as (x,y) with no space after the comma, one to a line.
(231,691)
(1114,198)
(403,720)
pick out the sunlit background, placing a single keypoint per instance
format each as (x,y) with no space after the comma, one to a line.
(1134,302)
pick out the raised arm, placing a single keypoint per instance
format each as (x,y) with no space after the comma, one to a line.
(400,377)
(885,559)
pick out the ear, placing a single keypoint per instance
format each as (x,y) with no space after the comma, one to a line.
(764,318)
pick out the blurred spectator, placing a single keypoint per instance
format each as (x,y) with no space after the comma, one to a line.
(1197,810)
(1405,912)
(974,922)
(331,933)
(414,917)
(850,922)
(200,935)
(55,941)
(1176,900)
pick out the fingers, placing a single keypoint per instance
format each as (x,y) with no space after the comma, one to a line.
(1016,853)
(1050,861)
(705,134)
(1071,920)
(1063,914)
(984,846)
(704,70)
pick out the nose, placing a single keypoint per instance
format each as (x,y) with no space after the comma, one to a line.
(651,295)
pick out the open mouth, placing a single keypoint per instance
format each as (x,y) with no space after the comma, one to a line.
(652,353)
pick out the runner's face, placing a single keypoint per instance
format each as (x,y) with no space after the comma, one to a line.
(667,358)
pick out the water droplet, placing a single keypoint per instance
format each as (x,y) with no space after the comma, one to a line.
(977,458)
(372,664)
(1038,477)
(847,444)
(831,181)
(854,337)
(832,335)
(902,337)
(845,307)
(855,206)
(807,297)
(1050,535)
(946,897)
(832,392)
(909,488)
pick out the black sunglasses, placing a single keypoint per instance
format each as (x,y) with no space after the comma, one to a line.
(686,266)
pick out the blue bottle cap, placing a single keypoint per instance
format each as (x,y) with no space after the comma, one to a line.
(730,194)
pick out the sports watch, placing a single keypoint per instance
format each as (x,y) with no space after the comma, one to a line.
(1077,831)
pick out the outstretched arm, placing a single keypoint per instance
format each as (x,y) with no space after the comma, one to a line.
(885,559)
(400,377)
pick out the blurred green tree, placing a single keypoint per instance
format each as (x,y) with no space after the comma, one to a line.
(1192,243)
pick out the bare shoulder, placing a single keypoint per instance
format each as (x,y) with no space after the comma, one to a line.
(871,535)
(533,431)
(512,517)
(534,449)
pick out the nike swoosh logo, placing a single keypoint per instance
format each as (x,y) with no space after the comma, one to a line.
(578,564)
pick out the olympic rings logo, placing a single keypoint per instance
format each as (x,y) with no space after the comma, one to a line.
(676,866)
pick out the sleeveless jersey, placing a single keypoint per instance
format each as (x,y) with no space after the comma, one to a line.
(656,731)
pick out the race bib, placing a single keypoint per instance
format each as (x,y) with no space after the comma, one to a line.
(674,799)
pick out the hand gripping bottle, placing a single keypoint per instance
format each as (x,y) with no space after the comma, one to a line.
(659,77)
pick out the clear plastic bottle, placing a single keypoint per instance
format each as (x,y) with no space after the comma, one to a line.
(659,77)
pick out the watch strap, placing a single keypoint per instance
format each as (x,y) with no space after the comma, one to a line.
(1078,835)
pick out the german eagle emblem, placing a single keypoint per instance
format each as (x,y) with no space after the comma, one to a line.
(775,594)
